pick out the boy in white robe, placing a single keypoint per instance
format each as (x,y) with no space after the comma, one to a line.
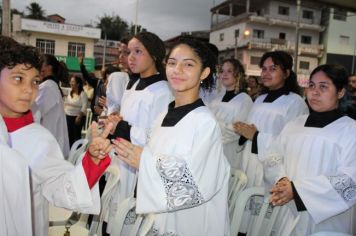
(312,164)
(52,178)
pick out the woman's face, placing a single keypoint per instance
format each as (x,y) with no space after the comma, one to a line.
(227,76)
(46,70)
(73,83)
(139,60)
(322,94)
(184,70)
(273,77)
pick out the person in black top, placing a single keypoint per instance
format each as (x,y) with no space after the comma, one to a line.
(99,101)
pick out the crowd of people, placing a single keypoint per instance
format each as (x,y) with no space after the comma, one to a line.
(177,126)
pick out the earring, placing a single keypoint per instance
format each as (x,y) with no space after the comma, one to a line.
(201,81)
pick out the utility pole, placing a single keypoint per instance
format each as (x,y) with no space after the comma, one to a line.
(136,17)
(297,38)
(6,19)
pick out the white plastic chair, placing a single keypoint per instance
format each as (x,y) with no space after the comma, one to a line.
(111,181)
(88,120)
(259,227)
(79,228)
(237,183)
(76,150)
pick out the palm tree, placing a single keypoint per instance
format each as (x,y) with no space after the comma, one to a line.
(35,11)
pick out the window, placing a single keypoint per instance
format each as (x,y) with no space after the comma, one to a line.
(307,14)
(221,37)
(304,65)
(283,10)
(340,14)
(255,60)
(76,49)
(260,34)
(306,39)
(282,35)
(45,46)
(344,40)
(237,33)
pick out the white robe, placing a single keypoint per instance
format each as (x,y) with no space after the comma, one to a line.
(50,103)
(321,162)
(269,118)
(183,177)
(115,90)
(139,108)
(15,198)
(52,178)
(226,113)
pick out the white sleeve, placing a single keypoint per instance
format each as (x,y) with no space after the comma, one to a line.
(171,183)
(45,99)
(295,109)
(139,135)
(115,90)
(59,181)
(15,197)
(337,192)
(84,102)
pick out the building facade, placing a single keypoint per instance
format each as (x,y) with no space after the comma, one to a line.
(339,38)
(65,41)
(246,29)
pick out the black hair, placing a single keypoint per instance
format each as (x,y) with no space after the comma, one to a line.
(108,70)
(285,62)
(339,77)
(12,53)
(206,56)
(125,39)
(155,47)
(214,49)
(80,84)
(59,70)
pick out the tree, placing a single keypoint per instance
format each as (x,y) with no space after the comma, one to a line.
(35,11)
(114,27)
(139,29)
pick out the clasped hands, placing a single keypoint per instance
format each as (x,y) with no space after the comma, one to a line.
(281,192)
(246,130)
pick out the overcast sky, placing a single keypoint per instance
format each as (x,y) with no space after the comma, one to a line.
(166,18)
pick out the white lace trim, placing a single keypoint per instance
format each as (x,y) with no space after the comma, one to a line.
(131,217)
(155,232)
(345,187)
(180,187)
(273,160)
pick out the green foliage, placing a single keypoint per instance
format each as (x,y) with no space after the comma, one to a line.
(115,27)
(35,11)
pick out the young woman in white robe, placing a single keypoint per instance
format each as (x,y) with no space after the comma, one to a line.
(52,178)
(313,162)
(231,107)
(144,98)
(183,173)
(278,104)
(50,102)
(15,200)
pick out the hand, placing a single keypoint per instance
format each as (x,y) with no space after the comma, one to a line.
(128,152)
(114,119)
(102,101)
(100,146)
(246,130)
(80,58)
(282,192)
(78,120)
(98,110)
